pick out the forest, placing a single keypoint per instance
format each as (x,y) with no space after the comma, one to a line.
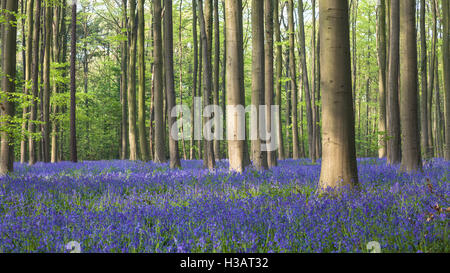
(126,124)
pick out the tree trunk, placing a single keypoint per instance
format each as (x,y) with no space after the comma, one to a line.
(234,82)
(309,109)
(46,94)
(424,95)
(269,95)
(28,69)
(446,61)
(73,90)
(141,107)
(131,89)
(411,159)
(216,74)
(9,46)
(381,42)
(293,75)
(194,76)
(206,35)
(278,77)
(338,137)
(124,84)
(35,83)
(57,10)
(170,87)
(258,82)
(393,112)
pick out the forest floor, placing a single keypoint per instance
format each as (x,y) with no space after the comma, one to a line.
(123,206)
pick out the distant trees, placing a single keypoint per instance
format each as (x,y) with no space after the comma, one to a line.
(288,67)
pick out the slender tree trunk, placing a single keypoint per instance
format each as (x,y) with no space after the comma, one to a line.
(160,149)
(424,95)
(269,87)
(73,90)
(141,107)
(234,81)
(56,86)
(309,109)
(411,159)
(216,73)
(183,145)
(170,87)
(278,77)
(9,46)
(35,83)
(446,71)
(440,126)
(258,82)
(393,113)
(194,76)
(131,89)
(28,76)
(381,42)
(293,75)
(206,34)
(124,84)
(224,69)
(431,122)
(339,155)
(46,94)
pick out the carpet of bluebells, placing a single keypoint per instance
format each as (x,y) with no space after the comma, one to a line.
(122,206)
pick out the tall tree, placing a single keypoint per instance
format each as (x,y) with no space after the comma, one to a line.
(237,148)
(73,89)
(393,109)
(28,66)
(46,95)
(338,136)
(141,107)
(216,76)
(258,82)
(124,84)
(206,37)
(278,77)
(268,65)
(381,44)
(57,50)
(160,149)
(423,73)
(411,157)
(131,90)
(309,109)
(293,75)
(170,87)
(9,46)
(195,72)
(446,62)
(35,83)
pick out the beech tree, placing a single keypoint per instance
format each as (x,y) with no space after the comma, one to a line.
(338,133)
(8,66)
(393,112)
(411,157)
(170,88)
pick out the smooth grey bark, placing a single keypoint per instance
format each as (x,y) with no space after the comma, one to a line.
(339,167)
(411,156)
(170,86)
